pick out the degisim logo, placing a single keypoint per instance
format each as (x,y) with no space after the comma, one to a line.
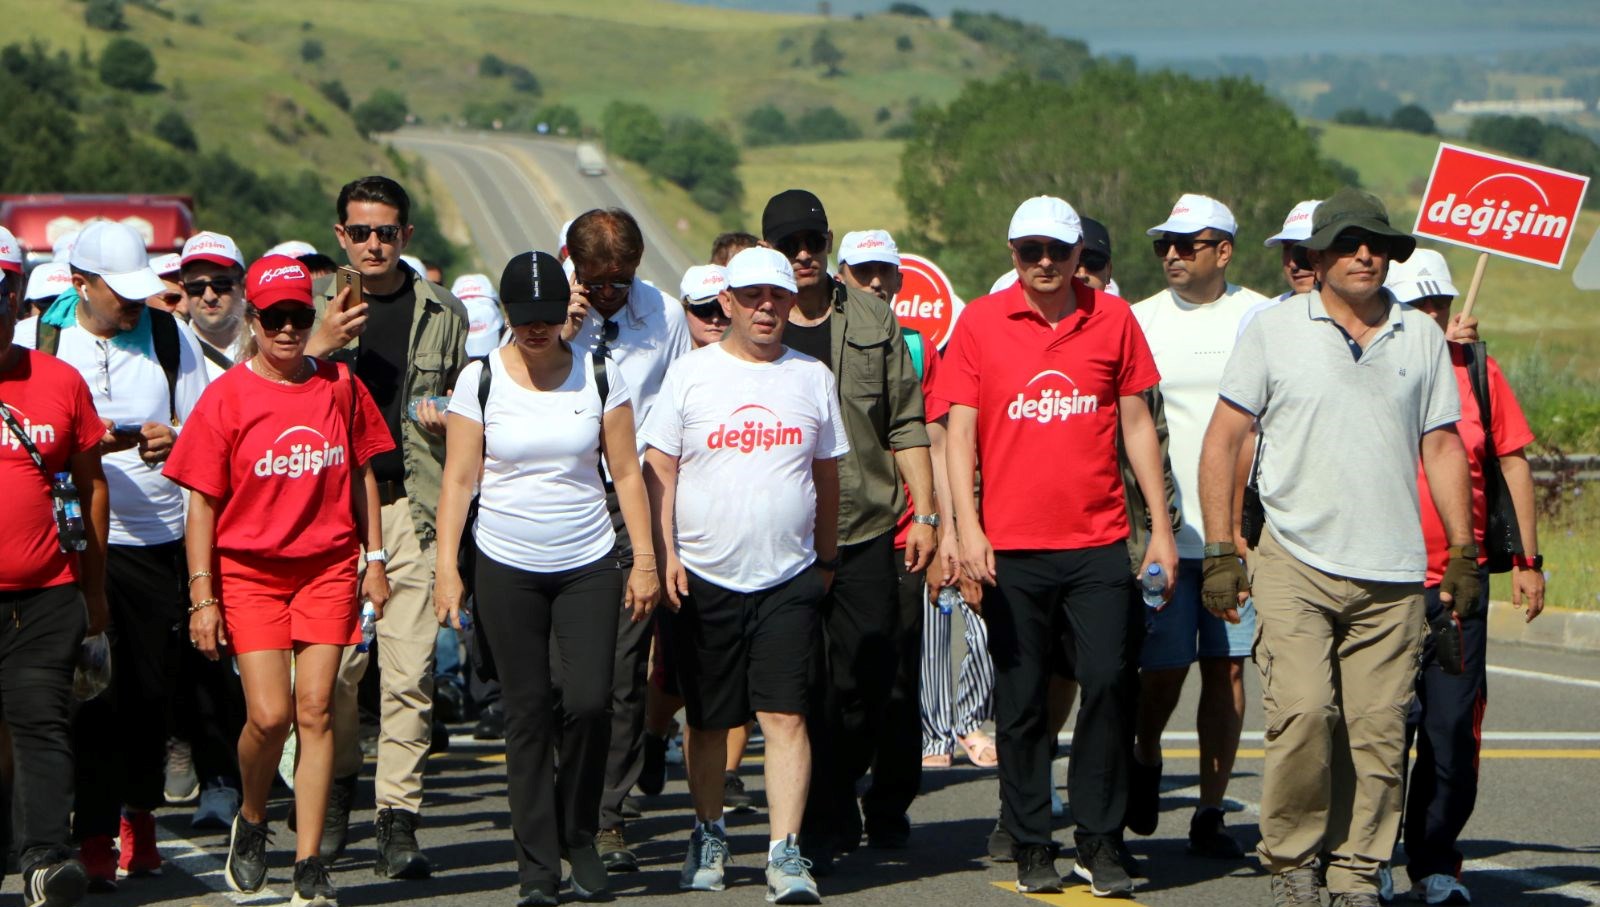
(755,433)
(1051,403)
(307,457)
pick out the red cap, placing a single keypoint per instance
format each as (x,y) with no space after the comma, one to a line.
(277,278)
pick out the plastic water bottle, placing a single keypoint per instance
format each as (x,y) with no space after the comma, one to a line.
(1151,587)
(70,532)
(439,402)
(464,617)
(369,627)
(949,598)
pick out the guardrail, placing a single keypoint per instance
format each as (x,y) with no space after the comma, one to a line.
(1584,467)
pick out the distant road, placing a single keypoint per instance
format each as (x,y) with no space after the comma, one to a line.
(515,191)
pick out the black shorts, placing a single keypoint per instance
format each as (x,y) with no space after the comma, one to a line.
(746,652)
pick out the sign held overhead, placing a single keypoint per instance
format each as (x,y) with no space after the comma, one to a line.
(1496,204)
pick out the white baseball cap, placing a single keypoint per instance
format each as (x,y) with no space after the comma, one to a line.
(116,253)
(213,247)
(1425,273)
(474,286)
(10,252)
(293,248)
(861,246)
(703,282)
(1194,213)
(761,267)
(170,263)
(561,236)
(61,249)
(1297,226)
(1045,215)
(48,281)
(415,264)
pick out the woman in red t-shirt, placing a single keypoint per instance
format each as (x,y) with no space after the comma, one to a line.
(277,456)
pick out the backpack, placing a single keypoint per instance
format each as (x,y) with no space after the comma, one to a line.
(1502,536)
(163,335)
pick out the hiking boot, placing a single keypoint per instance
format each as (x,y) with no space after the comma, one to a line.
(1296,886)
(1208,836)
(789,878)
(1144,797)
(1001,844)
(246,869)
(1355,899)
(59,884)
(614,852)
(312,885)
(653,771)
(491,724)
(1441,889)
(705,863)
(182,784)
(138,854)
(98,857)
(336,821)
(1036,869)
(589,879)
(398,854)
(219,803)
(1097,864)
(734,796)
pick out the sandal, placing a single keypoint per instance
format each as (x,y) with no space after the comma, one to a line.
(936,760)
(980,749)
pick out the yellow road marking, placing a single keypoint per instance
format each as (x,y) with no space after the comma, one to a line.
(1497,753)
(1077,895)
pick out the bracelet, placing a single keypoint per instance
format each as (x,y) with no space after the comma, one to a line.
(203,604)
(640,557)
(197,574)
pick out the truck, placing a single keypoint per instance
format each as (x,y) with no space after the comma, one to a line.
(38,220)
(591,161)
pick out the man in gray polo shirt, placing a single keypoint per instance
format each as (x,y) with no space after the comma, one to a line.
(1349,387)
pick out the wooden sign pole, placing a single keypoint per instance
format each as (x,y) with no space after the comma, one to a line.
(1477,280)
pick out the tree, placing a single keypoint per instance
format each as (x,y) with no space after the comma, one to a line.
(561,118)
(310,50)
(826,54)
(903,44)
(384,111)
(702,160)
(826,124)
(1355,116)
(105,15)
(632,131)
(127,64)
(909,9)
(333,90)
(491,66)
(1412,118)
(523,80)
(174,129)
(766,125)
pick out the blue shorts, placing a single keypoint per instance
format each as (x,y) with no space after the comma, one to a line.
(1185,630)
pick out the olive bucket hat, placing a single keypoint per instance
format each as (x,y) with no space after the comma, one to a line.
(1352,209)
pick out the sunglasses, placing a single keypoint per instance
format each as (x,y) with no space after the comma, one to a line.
(221,286)
(174,299)
(810,240)
(275,318)
(706,311)
(360,233)
(1094,261)
(615,286)
(1350,243)
(1186,246)
(1031,253)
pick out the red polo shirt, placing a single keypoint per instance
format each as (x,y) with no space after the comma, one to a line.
(1047,414)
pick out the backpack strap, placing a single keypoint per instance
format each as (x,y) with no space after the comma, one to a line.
(601,382)
(164,336)
(485,376)
(218,357)
(913,341)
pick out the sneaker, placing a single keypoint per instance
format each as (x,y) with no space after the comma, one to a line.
(1131,864)
(789,878)
(336,821)
(614,851)
(98,857)
(706,861)
(1036,869)
(734,796)
(1097,864)
(246,868)
(182,784)
(674,754)
(1355,899)
(138,854)
(653,770)
(219,803)
(537,894)
(590,881)
(491,724)
(1208,836)
(1144,797)
(1001,845)
(1296,886)
(61,884)
(1441,889)
(312,885)
(398,854)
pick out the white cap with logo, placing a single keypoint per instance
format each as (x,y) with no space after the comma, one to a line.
(61,249)
(703,282)
(170,263)
(1425,273)
(213,247)
(1194,213)
(48,281)
(862,246)
(1045,215)
(116,253)
(760,267)
(294,248)
(10,252)
(474,286)
(1297,226)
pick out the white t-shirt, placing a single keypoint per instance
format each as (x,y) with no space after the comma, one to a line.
(651,334)
(1191,345)
(745,434)
(213,370)
(146,507)
(541,506)
(484,324)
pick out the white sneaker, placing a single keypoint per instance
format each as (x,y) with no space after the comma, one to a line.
(219,803)
(674,751)
(1441,889)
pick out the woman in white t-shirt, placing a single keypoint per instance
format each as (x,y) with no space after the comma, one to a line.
(544,568)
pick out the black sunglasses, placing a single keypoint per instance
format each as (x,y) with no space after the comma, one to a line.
(1186,246)
(810,240)
(706,311)
(1349,243)
(1031,253)
(1094,261)
(360,233)
(221,286)
(614,286)
(299,317)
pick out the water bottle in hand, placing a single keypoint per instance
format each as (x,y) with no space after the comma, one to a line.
(464,617)
(439,403)
(949,598)
(1151,586)
(369,627)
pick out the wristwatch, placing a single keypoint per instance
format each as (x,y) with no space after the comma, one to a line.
(831,564)
(1462,551)
(380,556)
(1219,549)
(1524,562)
(931,519)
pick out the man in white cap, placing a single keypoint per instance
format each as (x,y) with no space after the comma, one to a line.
(61,246)
(485,321)
(1051,371)
(1296,228)
(10,270)
(869,260)
(145,372)
(213,284)
(169,268)
(45,283)
(743,467)
(1191,327)
(701,292)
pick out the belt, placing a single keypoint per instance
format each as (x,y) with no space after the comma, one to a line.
(389,492)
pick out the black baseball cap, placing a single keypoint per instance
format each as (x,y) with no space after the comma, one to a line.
(791,211)
(1096,238)
(534,288)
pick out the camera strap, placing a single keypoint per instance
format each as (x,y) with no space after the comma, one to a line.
(26,442)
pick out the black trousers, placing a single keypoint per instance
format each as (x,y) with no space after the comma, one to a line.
(523,613)
(1094,588)
(855,674)
(897,763)
(1447,723)
(630,669)
(40,630)
(208,712)
(120,736)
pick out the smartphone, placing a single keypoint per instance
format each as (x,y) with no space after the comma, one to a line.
(349,277)
(133,429)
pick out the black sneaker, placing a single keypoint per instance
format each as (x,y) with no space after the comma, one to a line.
(246,868)
(590,881)
(537,894)
(312,885)
(449,703)
(653,772)
(1036,869)
(734,796)
(614,852)
(1144,797)
(491,724)
(1130,864)
(398,854)
(336,821)
(1208,836)
(1002,846)
(60,884)
(1097,864)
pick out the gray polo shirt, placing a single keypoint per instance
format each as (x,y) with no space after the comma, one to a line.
(1343,433)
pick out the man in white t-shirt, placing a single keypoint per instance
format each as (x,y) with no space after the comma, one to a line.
(485,322)
(742,464)
(213,285)
(1191,327)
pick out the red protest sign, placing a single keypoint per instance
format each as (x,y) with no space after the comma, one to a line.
(1496,204)
(926,302)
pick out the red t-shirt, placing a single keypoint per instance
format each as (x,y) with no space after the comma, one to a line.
(1511,433)
(51,402)
(1047,414)
(277,456)
(933,410)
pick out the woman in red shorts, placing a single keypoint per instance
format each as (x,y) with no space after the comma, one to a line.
(276,454)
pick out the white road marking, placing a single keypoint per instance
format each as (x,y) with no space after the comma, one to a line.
(1547,678)
(207,867)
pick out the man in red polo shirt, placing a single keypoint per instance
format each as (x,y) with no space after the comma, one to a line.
(1044,372)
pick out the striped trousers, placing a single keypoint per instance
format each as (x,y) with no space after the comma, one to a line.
(943,719)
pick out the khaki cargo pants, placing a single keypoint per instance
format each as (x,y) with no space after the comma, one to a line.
(1338,661)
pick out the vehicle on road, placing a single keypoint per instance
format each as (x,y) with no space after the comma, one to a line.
(591,161)
(38,220)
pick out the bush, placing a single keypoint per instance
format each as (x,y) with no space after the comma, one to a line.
(491,66)
(560,118)
(826,124)
(632,131)
(105,15)
(903,44)
(1356,116)
(333,90)
(1412,118)
(909,9)
(826,54)
(384,111)
(127,64)
(310,50)
(524,81)
(883,115)
(1037,52)
(702,160)
(174,129)
(766,125)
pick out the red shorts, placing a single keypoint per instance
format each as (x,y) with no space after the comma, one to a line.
(269,603)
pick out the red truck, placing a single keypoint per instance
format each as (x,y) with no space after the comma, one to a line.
(37,221)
